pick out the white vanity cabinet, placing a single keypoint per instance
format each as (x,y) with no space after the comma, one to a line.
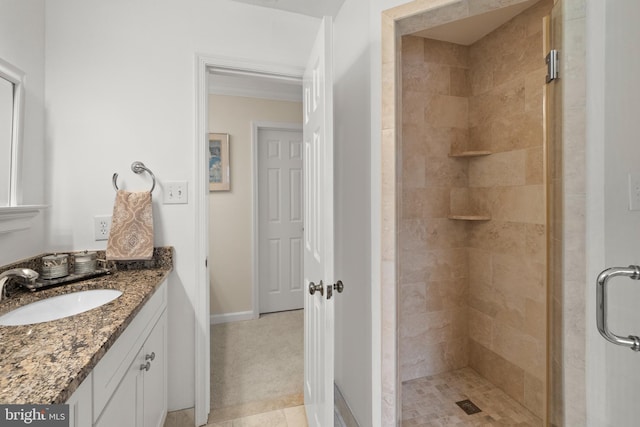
(128,386)
(80,404)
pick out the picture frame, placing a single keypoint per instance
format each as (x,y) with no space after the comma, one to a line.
(219,170)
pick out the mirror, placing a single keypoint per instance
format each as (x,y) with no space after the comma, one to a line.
(11,112)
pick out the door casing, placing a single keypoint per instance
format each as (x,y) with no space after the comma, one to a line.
(201,298)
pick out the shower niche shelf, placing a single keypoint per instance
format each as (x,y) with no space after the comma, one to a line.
(470,217)
(470,154)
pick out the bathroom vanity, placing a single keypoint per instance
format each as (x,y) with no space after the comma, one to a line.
(109,364)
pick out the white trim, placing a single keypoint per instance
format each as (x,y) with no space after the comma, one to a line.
(256,126)
(201,308)
(16,76)
(238,316)
(202,359)
(595,358)
(15,218)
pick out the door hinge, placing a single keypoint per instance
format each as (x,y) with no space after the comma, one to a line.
(552,65)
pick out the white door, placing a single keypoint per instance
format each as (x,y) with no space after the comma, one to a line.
(318,232)
(614,382)
(280,220)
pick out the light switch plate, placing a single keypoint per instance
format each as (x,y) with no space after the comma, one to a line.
(174,192)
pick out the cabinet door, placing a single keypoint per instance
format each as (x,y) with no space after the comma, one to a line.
(81,403)
(155,379)
(125,405)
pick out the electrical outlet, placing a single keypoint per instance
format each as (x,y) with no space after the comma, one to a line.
(634,191)
(174,192)
(101,227)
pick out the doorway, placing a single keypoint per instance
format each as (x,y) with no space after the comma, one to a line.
(256,359)
(449,252)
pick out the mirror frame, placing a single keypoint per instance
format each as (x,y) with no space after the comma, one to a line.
(16,76)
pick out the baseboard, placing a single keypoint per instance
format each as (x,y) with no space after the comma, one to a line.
(343,415)
(231,317)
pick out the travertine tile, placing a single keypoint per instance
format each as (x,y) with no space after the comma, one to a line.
(439,52)
(267,419)
(498,169)
(516,275)
(296,416)
(459,81)
(446,111)
(431,202)
(534,394)
(534,166)
(430,401)
(447,294)
(498,236)
(480,327)
(524,203)
(412,50)
(413,298)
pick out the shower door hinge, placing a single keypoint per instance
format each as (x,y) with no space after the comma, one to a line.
(552,65)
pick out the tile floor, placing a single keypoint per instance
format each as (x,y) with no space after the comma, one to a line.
(287,417)
(430,402)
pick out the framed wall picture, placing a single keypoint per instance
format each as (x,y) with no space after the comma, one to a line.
(219,173)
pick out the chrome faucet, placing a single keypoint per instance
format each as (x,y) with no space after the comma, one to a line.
(26,274)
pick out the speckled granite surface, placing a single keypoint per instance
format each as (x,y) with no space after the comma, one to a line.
(44,363)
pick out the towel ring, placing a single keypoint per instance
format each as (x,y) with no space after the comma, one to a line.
(136,167)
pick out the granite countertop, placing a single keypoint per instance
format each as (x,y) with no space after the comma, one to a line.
(44,363)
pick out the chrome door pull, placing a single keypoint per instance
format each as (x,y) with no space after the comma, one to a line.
(633,272)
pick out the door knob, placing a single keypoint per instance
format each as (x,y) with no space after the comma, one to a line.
(339,286)
(313,288)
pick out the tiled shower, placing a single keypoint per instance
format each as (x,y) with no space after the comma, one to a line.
(472,209)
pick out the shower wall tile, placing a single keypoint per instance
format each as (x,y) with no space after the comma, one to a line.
(498,237)
(524,203)
(446,111)
(446,295)
(480,327)
(413,298)
(450,54)
(440,142)
(499,169)
(516,130)
(500,371)
(446,172)
(429,202)
(534,166)
(412,51)
(501,101)
(535,243)
(459,82)
(534,394)
(534,88)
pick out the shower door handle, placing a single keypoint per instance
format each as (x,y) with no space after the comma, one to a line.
(633,272)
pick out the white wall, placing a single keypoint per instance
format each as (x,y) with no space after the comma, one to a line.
(120,87)
(352,151)
(22,44)
(613,152)
(230,212)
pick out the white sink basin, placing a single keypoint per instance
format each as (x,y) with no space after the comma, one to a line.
(58,307)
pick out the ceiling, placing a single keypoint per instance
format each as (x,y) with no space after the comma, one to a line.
(469,30)
(317,8)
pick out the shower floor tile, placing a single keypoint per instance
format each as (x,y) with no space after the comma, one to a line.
(431,402)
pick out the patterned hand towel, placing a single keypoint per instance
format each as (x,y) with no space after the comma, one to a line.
(131,235)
